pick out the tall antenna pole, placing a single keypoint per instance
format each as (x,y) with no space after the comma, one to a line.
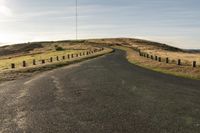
(76,19)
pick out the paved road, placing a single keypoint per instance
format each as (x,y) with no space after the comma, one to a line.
(103,95)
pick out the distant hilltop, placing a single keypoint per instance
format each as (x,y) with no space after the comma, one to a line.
(193,51)
(143,45)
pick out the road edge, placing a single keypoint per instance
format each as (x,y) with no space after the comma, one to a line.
(159,70)
(27,72)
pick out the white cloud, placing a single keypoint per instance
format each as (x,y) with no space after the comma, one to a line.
(4,10)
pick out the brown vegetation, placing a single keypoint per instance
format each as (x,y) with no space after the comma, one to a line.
(152,48)
(173,69)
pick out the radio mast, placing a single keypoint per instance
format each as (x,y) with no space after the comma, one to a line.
(76,19)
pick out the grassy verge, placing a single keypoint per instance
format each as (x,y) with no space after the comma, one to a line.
(172,69)
(5,63)
(26,72)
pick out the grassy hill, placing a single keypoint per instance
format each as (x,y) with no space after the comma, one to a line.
(26,48)
(153,48)
(37,48)
(40,50)
(144,45)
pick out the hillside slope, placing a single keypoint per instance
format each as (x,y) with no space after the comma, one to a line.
(35,47)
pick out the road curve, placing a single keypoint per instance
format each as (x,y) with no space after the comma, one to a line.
(103,95)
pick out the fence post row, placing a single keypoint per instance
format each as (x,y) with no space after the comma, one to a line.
(24,63)
(194,63)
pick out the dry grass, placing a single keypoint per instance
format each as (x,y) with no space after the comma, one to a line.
(30,71)
(42,53)
(187,58)
(44,50)
(6,63)
(183,71)
(154,48)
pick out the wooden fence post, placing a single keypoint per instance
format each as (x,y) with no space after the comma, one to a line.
(63,57)
(156,58)
(43,61)
(167,60)
(152,57)
(34,62)
(51,59)
(194,64)
(57,58)
(72,55)
(159,59)
(24,64)
(179,62)
(68,56)
(12,65)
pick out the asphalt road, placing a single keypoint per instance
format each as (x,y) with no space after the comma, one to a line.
(103,95)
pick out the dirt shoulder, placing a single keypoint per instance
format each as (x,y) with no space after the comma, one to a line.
(172,69)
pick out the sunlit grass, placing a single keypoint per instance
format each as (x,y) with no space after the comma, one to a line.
(172,69)
(6,63)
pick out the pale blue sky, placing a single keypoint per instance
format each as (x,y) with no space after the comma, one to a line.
(175,22)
